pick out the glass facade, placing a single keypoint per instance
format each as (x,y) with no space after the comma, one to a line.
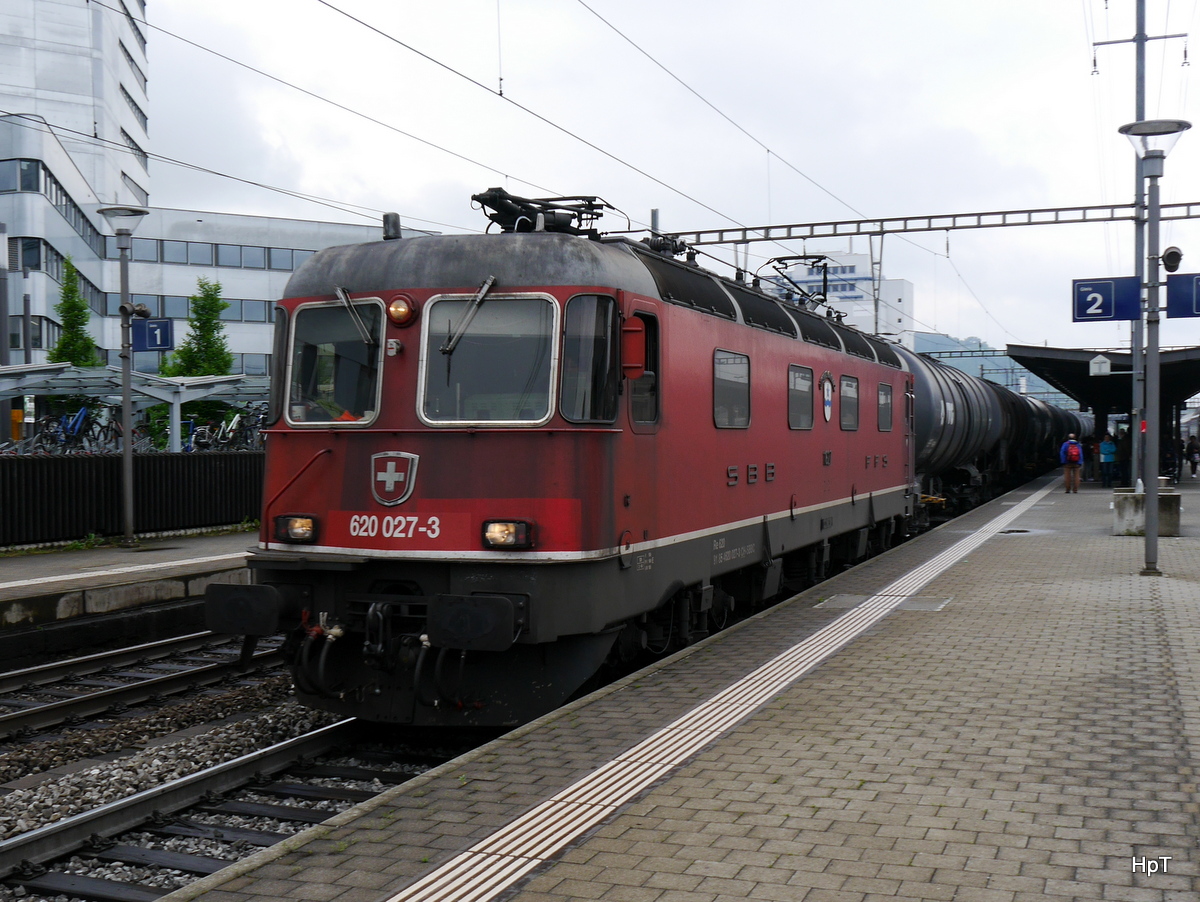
(175,307)
(203,253)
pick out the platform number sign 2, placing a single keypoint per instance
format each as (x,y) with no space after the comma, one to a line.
(1106,300)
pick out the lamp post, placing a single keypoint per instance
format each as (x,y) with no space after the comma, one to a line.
(123,220)
(1152,139)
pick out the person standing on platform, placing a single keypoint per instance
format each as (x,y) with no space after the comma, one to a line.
(1070,455)
(1108,460)
(1193,454)
(1124,453)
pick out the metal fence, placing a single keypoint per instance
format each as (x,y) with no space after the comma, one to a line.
(53,498)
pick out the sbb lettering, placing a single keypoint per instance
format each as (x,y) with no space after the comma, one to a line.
(733,474)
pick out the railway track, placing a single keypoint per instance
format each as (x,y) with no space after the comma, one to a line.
(195,825)
(23,858)
(68,692)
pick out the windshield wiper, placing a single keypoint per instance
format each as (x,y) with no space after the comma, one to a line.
(362,329)
(468,315)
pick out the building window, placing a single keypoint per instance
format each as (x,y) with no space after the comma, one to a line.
(233,311)
(43,333)
(136,148)
(137,110)
(849,403)
(140,194)
(256,364)
(254,257)
(229,255)
(145,250)
(175,252)
(800,397)
(175,307)
(19,175)
(731,390)
(254,311)
(133,67)
(200,253)
(137,32)
(280,258)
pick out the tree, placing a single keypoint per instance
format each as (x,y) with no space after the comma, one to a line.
(205,351)
(75,345)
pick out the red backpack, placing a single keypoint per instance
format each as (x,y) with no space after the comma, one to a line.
(1073,452)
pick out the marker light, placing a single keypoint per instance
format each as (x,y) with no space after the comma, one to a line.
(402,310)
(293,528)
(507,534)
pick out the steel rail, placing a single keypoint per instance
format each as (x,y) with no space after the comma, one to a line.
(48,673)
(74,833)
(44,716)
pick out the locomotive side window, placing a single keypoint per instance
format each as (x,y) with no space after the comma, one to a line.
(849,403)
(590,375)
(885,407)
(334,373)
(800,397)
(731,390)
(499,370)
(643,393)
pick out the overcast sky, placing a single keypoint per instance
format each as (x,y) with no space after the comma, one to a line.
(760,112)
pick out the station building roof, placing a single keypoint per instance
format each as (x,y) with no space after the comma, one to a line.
(1069,370)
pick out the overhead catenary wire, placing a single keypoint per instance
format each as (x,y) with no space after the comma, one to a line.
(536,115)
(496,92)
(341,106)
(24,120)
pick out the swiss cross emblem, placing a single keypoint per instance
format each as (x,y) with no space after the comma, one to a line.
(393,474)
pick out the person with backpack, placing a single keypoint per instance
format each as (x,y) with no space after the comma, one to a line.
(1070,455)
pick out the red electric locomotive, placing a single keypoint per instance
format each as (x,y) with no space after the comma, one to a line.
(497,460)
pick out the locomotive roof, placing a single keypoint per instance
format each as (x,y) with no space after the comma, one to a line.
(463,261)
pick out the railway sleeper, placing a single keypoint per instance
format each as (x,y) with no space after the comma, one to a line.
(159,858)
(53,883)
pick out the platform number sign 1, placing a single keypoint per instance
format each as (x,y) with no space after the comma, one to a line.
(1183,294)
(1106,300)
(152,335)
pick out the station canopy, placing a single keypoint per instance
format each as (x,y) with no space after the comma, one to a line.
(1070,371)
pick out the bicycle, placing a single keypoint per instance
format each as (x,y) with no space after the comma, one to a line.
(66,434)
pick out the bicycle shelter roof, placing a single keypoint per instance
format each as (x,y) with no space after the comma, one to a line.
(105,383)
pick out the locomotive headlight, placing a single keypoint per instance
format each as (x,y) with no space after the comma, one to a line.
(295,528)
(402,310)
(507,534)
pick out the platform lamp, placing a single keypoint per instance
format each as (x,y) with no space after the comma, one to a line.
(1152,139)
(123,220)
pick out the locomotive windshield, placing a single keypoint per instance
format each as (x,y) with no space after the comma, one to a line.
(500,368)
(334,373)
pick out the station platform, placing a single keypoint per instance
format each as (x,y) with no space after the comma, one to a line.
(999,710)
(115,594)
